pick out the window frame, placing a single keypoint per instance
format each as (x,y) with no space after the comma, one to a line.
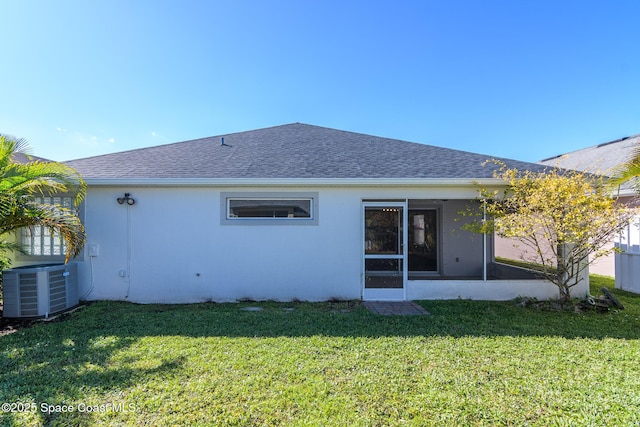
(227,219)
(55,258)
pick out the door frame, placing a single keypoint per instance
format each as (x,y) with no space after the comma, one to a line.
(385,294)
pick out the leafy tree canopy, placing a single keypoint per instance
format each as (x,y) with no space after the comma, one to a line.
(559,218)
(21,182)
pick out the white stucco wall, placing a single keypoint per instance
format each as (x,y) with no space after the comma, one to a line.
(512,249)
(170,247)
(493,290)
(176,250)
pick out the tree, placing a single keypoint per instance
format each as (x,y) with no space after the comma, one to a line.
(560,218)
(21,182)
(629,172)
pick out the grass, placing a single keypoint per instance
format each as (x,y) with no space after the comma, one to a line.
(469,363)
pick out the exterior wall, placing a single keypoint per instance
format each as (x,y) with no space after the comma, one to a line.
(493,290)
(508,248)
(171,246)
(462,251)
(605,266)
(175,249)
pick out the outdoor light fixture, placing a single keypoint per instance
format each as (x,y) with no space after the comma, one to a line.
(127,198)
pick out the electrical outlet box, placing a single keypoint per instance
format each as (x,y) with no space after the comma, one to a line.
(93,250)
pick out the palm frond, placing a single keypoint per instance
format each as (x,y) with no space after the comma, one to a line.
(628,172)
(7,246)
(60,220)
(42,178)
(9,146)
(635,155)
(20,183)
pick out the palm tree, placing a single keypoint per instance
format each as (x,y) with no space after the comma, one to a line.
(20,207)
(629,172)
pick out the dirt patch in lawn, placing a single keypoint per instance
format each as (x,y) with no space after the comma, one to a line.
(9,326)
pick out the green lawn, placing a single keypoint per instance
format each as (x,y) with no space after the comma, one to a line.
(468,363)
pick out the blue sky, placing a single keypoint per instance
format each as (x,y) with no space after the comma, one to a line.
(519,79)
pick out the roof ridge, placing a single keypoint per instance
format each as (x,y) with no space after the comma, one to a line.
(133,150)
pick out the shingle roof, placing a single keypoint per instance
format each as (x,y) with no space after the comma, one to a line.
(601,158)
(291,151)
(27,158)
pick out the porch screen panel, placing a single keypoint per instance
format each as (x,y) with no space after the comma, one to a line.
(383,231)
(383,273)
(383,247)
(423,240)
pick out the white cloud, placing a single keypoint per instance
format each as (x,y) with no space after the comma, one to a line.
(153,133)
(112,140)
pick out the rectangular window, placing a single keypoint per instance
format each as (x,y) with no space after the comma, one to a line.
(269,208)
(40,241)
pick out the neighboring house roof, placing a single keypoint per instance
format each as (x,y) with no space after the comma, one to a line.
(27,158)
(293,151)
(601,159)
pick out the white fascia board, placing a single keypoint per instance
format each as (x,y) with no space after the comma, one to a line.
(625,192)
(300,182)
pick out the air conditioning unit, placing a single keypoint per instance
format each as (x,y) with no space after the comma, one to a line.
(39,290)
